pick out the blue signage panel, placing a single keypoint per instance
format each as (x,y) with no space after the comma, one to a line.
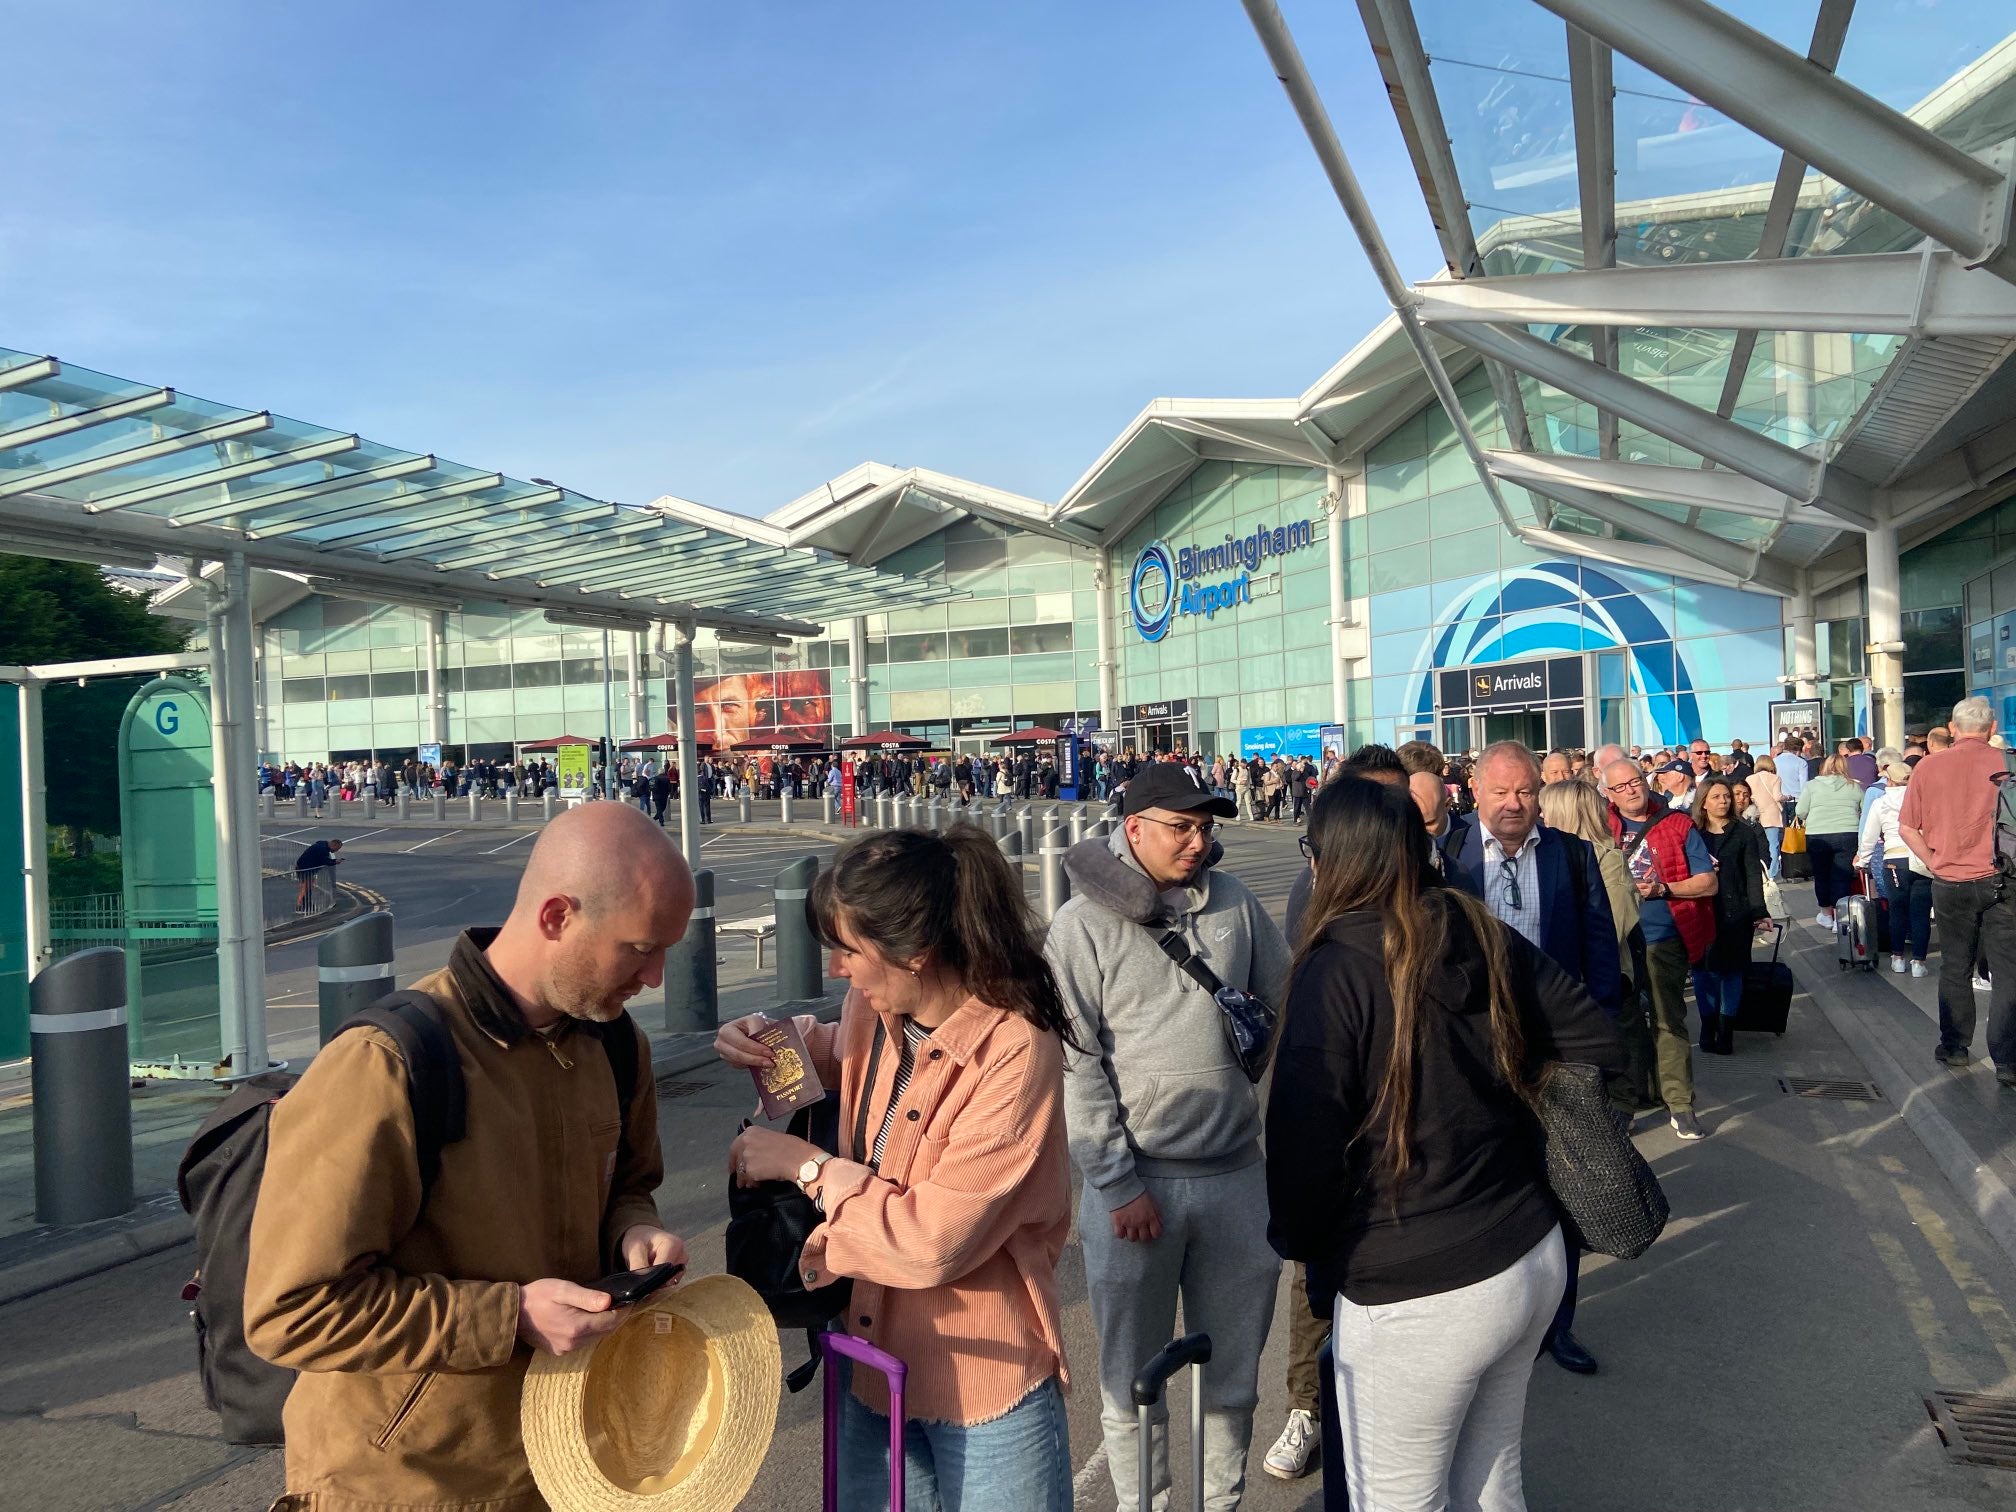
(1269,741)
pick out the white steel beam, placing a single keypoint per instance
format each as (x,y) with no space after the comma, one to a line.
(334,484)
(1931,292)
(524,536)
(591,560)
(1717,489)
(318,517)
(1592,96)
(146,451)
(1748,565)
(1254,448)
(64,425)
(1804,479)
(25,373)
(1961,201)
(698,564)
(216,477)
(1647,558)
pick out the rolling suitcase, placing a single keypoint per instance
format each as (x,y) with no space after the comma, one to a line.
(1192,1349)
(1767,992)
(831,1344)
(1855,933)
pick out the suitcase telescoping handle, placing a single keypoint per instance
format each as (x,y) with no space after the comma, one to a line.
(831,1344)
(1191,1349)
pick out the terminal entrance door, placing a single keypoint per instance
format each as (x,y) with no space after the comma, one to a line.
(1527,726)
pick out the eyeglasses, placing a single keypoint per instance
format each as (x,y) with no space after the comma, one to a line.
(1186,831)
(1627,784)
(1308,850)
(1508,874)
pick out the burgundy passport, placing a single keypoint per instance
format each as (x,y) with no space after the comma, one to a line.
(790,1082)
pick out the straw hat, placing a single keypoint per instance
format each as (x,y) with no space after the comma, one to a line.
(673,1410)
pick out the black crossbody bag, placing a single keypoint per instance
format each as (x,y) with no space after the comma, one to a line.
(1247,1021)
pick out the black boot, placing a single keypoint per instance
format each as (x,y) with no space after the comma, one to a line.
(1718,1037)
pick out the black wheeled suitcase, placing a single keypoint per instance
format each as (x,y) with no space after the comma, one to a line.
(1767,992)
(1191,1350)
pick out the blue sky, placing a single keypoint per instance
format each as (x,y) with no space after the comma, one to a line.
(719,251)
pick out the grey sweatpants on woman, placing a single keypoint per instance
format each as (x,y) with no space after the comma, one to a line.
(1214,1252)
(1432,1391)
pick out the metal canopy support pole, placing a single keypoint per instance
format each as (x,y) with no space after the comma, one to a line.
(34,827)
(231,988)
(857,671)
(1805,655)
(1886,634)
(637,700)
(241,936)
(685,727)
(608,718)
(1340,601)
(1880,153)
(239,633)
(433,644)
(1594,96)
(1108,665)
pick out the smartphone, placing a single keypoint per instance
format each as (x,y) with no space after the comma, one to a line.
(626,1287)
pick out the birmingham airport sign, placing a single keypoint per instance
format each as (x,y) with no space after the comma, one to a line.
(1165,583)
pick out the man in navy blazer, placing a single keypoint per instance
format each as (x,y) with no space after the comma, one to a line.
(1549,887)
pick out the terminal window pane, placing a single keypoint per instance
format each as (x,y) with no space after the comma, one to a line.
(973,643)
(818,654)
(341,688)
(904,648)
(1932,640)
(1030,640)
(301,690)
(581,669)
(393,684)
(744,658)
(987,611)
(536,674)
(839,650)
(451,679)
(485,679)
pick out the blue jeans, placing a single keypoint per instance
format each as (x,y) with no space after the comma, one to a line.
(1018,1462)
(1718,992)
(1776,835)
(1910,911)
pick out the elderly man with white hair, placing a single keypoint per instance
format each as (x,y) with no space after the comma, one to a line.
(1948,821)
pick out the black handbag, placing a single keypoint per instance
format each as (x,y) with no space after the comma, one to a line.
(768,1224)
(1247,1021)
(1609,1199)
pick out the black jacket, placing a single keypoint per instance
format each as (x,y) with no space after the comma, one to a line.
(1475,1199)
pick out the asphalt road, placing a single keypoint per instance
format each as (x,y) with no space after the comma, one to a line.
(1772,1351)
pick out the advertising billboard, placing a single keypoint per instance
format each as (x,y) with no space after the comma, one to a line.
(756,710)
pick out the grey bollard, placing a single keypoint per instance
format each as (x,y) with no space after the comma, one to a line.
(83,1116)
(353,969)
(1011,846)
(784,805)
(1081,822)
(692,971)
(405,804)
(1025,824)
(511,807)
(934,816)
(266,804)
(440,804)
(825,807)
(742,806)
(475,808)
(997,824)
(370,804)
(885,811)
(301,802)
(546,804)
(1056,885)
(799,975)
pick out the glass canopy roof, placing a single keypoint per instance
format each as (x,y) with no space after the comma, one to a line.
(92,458)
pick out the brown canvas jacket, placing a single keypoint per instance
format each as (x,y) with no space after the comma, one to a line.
(403,1322)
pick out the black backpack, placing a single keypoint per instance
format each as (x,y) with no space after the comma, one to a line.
(219,1184)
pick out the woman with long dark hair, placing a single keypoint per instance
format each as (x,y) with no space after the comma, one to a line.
(1402,1158)
(950,1209)
(1739,849)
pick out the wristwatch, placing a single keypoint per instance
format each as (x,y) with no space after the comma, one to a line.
(809,1172)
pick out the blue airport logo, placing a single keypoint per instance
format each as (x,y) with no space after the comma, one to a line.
(1154,579)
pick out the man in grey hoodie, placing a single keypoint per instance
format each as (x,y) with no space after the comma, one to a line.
(1164,1126)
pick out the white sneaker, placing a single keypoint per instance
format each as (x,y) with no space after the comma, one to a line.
(1824,919)
(1920,969)
(1294,1453)
(1982,984)
(1897,963)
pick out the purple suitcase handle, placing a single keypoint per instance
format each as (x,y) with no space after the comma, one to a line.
(830,1344)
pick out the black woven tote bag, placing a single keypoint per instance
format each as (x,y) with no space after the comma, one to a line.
(1609,1199)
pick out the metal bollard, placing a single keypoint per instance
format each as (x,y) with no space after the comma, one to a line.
(475,808)
(825,807)
(934,816)
(1081,822)
(692,972)
(301,802)
(83,1115)
(885,811)
(799,975)
(784,805)
(266,804)
(1025,824)
(511,807)
(353,969)
(546,804)
(370,804)
(1056,885)
(440,804)
(1011,847)
(405,804)
(742,806)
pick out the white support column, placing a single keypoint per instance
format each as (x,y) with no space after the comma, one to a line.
(241,924)
(1886,634)
(638,703)
(34,828)
(609,788)
(262,730)
(433,643)
(1340,603)
(1805,656)
(857,671)
(685,727)
(1108,665)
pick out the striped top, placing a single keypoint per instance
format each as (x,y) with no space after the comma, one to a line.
(914,1035)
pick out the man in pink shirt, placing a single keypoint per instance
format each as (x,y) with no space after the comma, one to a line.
(1948,821)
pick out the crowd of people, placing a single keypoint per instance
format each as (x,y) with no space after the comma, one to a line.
(1460,925)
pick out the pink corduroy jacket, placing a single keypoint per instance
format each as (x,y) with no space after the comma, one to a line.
(953,1243)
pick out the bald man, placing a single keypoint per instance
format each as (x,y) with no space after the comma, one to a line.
(412,1309)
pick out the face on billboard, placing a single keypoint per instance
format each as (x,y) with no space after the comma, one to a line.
(749,709)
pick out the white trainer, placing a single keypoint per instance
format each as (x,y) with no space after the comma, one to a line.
(1981,983)
(1897,964)
(1920,969)
(1824,919)
(1295,1453)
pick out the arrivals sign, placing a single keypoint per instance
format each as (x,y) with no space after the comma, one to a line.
(1528,684)
(1168,581)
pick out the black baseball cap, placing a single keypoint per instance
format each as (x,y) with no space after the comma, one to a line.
(1675,766)
(1165,785)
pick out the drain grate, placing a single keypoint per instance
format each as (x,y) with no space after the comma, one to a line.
(1976,1429)
(1822,1086)
(681,1088)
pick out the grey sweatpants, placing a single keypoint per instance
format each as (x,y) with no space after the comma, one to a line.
(1432,1391)
(1214,1254)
